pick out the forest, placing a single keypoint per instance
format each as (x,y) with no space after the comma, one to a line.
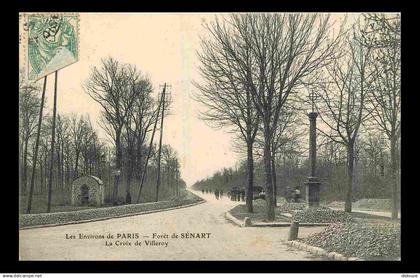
(129,116)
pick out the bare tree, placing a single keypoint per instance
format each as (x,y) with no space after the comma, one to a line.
(64,140)
(113,86)
(29,104)
(144,113)
(165,101)
(343,95)
(44,153)
(284,52)
(382,33)
(373,151)
(169,156)
(90,148)
(78,130)
(137,126)
(285,139)
(225,96)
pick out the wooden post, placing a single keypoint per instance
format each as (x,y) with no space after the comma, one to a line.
(160,143)
(35,158)
(294,230)
(148,154)
(52,144)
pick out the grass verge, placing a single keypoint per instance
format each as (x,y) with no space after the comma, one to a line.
(259,214)
(28,220)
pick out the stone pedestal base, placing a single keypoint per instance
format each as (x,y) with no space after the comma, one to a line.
(312,192)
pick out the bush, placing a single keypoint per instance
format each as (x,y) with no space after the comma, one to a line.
(378,241)
(322,215)
(291,207)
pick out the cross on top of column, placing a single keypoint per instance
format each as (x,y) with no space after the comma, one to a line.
(313,97)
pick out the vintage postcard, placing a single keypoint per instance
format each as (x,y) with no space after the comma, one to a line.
(209,136)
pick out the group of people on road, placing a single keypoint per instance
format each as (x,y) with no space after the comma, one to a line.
(237,194)
(206,191)
(218,193)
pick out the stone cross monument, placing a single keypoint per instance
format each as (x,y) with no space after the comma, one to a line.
(312,185)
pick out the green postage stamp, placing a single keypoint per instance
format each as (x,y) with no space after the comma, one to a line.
(51,42)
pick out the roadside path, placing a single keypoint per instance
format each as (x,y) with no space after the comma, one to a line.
(222,240)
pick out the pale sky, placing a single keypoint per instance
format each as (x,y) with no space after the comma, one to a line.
(163,46)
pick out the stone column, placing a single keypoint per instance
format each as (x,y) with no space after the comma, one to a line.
(312,186)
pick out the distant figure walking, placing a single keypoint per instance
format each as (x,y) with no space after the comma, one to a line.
(221,193)
(202,191)
(297,194)
(233,194)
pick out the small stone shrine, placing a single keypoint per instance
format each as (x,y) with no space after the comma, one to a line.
(87,191)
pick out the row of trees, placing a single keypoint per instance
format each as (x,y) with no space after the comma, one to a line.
(258,68)
(372,173)
(128,114)
(78,149)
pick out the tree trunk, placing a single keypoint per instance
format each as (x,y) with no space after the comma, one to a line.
(269,198)
(394,183)
(20,168)
(59,166)
(382,163)
(139,163)
(128,181)
(250,178)
(169,181)
(25,168)
(273,173)
(45,169)
(41,176)
(68,176)
(62,166)
(118,157)
(76,166)
(350,168)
